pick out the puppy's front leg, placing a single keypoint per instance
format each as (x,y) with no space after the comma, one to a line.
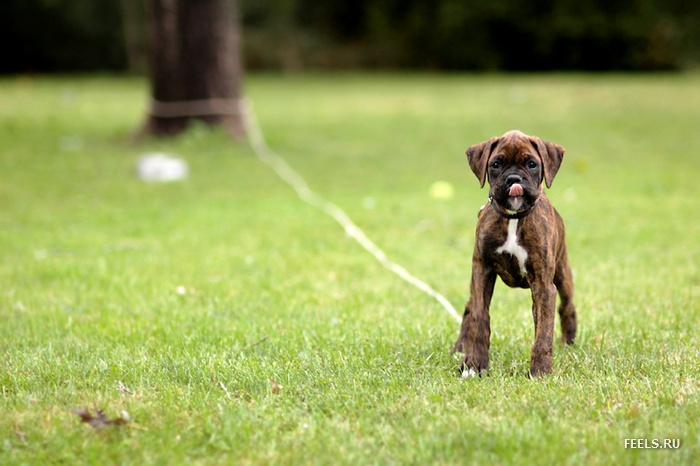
(475,334)
(544,299)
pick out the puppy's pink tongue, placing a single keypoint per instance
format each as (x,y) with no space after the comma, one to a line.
(515,190)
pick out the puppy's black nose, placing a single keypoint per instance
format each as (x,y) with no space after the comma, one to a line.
(513,178)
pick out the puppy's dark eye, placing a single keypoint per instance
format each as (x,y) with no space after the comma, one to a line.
(532,165)
(496,165)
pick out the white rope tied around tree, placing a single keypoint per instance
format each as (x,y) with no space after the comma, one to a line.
(193,108)
(291,177)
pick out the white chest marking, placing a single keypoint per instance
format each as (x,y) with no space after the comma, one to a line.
(511,246)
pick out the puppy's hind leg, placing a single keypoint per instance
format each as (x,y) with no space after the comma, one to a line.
(563,280)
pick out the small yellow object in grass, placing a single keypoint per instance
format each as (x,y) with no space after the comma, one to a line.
(442,190)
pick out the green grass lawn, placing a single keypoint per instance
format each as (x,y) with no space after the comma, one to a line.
(246,328)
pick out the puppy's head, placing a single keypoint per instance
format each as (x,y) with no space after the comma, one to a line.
(516,165)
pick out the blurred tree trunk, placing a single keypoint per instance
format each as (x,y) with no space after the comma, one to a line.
(195,68)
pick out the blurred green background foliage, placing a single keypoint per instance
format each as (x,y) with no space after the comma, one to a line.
(291,35)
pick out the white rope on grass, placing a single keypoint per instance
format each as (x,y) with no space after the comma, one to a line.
(291,177)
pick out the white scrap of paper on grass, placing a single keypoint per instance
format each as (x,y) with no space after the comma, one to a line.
(157,167)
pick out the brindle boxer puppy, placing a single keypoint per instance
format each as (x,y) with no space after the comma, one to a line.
(520,238)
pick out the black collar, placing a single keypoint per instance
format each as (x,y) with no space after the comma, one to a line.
(504,214)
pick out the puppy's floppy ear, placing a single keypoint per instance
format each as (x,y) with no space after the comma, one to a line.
(478,156)
(551,155)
